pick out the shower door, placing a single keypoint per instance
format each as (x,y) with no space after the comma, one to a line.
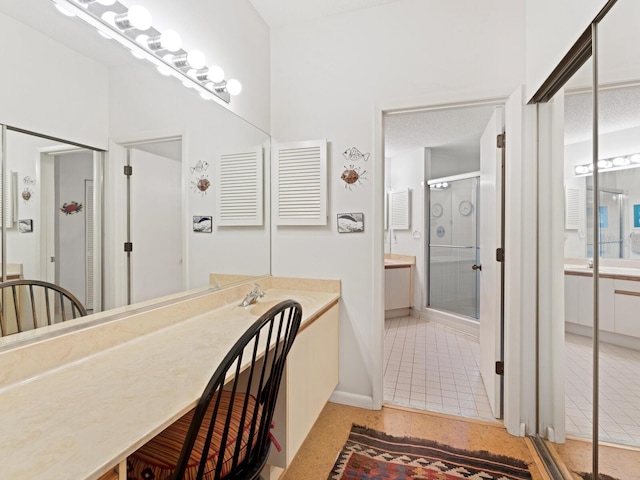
(453,245)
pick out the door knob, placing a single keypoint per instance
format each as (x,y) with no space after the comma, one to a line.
(476,267)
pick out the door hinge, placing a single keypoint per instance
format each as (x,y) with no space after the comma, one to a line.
(128,170)
(499,254)
(128,247)
(501,140)
(499,368)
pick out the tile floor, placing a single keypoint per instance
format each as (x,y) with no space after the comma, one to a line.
(619,391)
(430,366)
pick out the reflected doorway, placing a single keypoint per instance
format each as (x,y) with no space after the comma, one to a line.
(155,219)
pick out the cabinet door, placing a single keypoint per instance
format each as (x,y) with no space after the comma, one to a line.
(397,288)
(584,294)
(571,299)
(627,306)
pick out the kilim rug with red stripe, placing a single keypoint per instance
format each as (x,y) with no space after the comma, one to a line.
(370,454)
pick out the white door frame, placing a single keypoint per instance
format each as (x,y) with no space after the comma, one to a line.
(518,415)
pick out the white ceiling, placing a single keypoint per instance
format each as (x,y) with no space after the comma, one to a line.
(277,13)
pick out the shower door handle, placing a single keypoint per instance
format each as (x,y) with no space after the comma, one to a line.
(476,267)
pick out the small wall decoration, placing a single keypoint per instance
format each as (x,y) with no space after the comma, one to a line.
(353,155)
(25,225)
(200,167)
(200,185)
(71,208)
(27,193)
(202,224)
(353,175)
(28,181)
(350,222)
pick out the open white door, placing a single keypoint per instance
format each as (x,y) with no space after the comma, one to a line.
(490,274)
(156,225)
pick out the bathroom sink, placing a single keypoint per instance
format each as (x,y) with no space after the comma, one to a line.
(262,305)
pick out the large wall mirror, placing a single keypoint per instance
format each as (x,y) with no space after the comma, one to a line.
(77,110)
(594,123)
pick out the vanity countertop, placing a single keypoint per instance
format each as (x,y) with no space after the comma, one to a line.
(605,271)
(87,398)
(392,260)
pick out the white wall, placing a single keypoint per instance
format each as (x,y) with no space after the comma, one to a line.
(447,165)
(328,76)
(50,89)
(552,27)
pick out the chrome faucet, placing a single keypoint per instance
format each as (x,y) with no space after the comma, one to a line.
(252,296)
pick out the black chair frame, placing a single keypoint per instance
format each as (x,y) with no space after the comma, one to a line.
(60,294)
(278,327)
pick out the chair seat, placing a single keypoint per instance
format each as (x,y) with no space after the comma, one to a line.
(157,459)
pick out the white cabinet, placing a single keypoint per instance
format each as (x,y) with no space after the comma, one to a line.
(578,303)
(627,307)
(398,287)
(311,375)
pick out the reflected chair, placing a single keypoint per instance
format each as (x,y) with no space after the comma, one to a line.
(28,304)
(227,435)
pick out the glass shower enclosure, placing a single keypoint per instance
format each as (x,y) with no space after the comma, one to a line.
(453,252)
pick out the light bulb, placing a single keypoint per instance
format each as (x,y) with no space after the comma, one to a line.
(64,11)
(137,54)
(234,87)
(604,164)
(196,59)
(170,40)
(620,161)
(167,40)
(582,169)
(635,158)
(215,74)
(136,17)
(164,70)
(139,17)
(445,184)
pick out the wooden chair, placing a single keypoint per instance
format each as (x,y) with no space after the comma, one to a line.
(28,304)
(227,436)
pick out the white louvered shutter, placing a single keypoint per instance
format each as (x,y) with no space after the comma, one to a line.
(239,188)
(572,208)
(400,209)
(301,182)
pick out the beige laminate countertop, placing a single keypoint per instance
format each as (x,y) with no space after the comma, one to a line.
(392,260)
(605,272)
(79,414)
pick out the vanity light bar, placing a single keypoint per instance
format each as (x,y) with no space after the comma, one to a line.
(132,28)
(610,164)
(439,186)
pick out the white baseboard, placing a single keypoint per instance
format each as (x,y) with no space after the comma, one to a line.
(397,312)
(618,339)
(351,399)
(462,324)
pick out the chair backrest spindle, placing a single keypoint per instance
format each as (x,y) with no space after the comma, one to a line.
(14,313)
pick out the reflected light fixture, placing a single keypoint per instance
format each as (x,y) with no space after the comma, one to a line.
(132,27)
(620,162)
(439,186)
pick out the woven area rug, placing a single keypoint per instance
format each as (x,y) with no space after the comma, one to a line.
(370,454)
